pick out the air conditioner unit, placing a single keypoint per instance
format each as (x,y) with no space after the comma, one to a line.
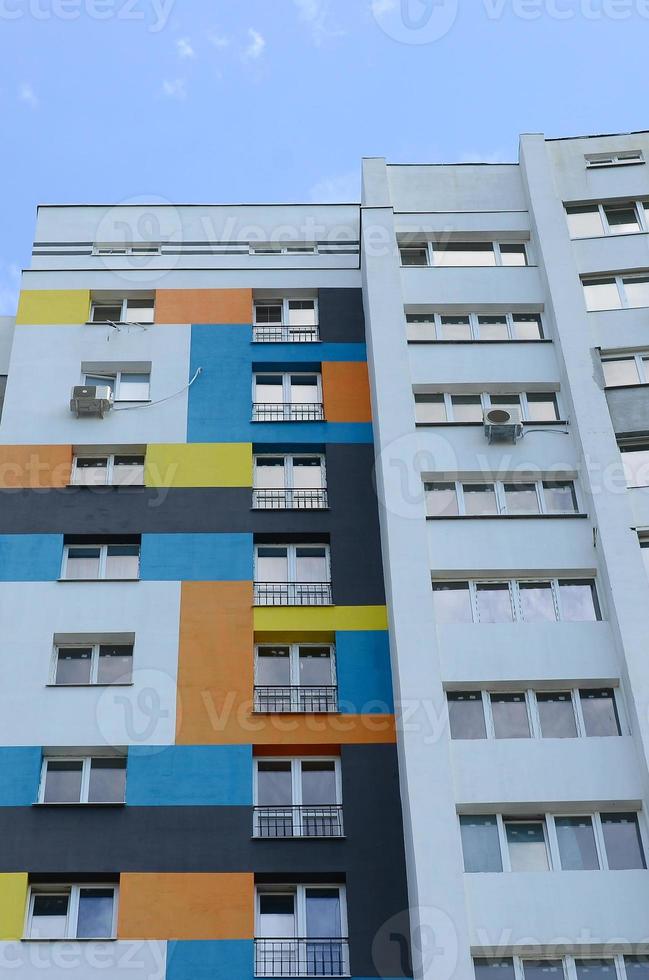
(91,400)
(502,424)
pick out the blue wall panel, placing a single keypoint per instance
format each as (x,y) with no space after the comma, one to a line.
(220,401)
(226,959)
(30,557)
(189,775)
(364,673)
(197,557)
(20,773)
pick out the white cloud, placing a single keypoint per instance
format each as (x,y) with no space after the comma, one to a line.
(338,189)
(218,40)
(315,14)
(176,89)
(26,94)
(184,48)
(256,46)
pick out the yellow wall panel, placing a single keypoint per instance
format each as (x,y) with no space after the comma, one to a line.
(297,619)
(199,465)
(53,306)
(13,898)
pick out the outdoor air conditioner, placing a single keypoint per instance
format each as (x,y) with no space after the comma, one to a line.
(91,400)
(502,424)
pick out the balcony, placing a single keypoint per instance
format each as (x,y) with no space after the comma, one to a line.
(288,412)
(277,333)
(289,499)
(279,822)
(321,699)
(293,594)
(301,957)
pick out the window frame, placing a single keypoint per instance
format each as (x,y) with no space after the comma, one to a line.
(434,246)
(296,779)
(284,302)
(568,963)
(294,662)
(86,766)
(641,361)
(127,250)
(474,327)
(486,405)
(283,248)
(291,560)
(95,646)
(110,468)
(122,301)
(299,891)
(513,583)
(103,555)
(623,158)
(620,280)
(638,205)
(73,891)
(116,378)
(286,405)
(289,459)
(501,498)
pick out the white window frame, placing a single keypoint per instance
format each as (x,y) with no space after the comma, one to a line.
(501,496)
(299,891)
(638,205)
(283,248)
(294,662)
(503,819)
(568,963)
(289,459)
(291,556)
(623,158)
(474,327)
(73,891)
(86,764)
(296,778)
(123,318)
(485,400)
(116,377)
(284,302)
(142,248)
(103,554)
(514,594)
(110,466)
(286,388)
(79,644)
(619,282)
(433,246)
(641,360)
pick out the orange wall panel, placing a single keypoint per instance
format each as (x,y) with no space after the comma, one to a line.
(35,466)
(346,391)
(186,906)
(203,306)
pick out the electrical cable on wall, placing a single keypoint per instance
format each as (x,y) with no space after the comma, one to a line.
(131,408)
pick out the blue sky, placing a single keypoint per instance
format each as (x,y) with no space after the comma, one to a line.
(277,100)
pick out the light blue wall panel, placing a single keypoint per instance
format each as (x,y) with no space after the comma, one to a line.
(197,557)
(189,775)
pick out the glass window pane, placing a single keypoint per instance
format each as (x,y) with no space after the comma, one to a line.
(527,326)
(414,255)
(557,715)
(304,389)
(273,667)
(480,844)
(493,327)
(507,402)
(268,313)
(107,781)
(466,408)
(318,783)
(599,712)
(479,499)
(595,969)
(134,387)
(637,291)
(270,473)
(526,842)
(584,222)
(537,602)
(635,461)
(73,665)
(274,784)
(101,312)
(277,917)
(637,967)
(311,565)
(315,665)
(420,327)
(272,564)
(494,602)
(49,916)
(620,371)
(452,601)
(301,313)
(115,664)
(90,471)
(560,497)
(577,847)
(622,841)
(139,310)
(122,561)
(602,294)
(62,781)
(464,254)
(95,919)
(622,218)
(323,918)
(128,471)
(269,389)
(513,255)
(466,714)
(441,500)
(430,408)
(543,970)
(509,712)
(455,328)
(101,380)
(308,473)
(521,498)
(542,407)
(494,969)
(578,600)
(82,562)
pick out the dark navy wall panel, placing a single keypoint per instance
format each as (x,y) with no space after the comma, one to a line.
(340,312)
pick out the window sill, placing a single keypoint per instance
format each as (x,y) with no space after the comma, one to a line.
(475,425)
(69,939)
(506,517)
(596,238)
(100,686)
(55,806)
(298,714)
(637,384)
(612,166)
(481,343)
(618,309)
(97,580)
(291,510)
(104,486)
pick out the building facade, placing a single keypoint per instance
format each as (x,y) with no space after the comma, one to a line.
(322,580)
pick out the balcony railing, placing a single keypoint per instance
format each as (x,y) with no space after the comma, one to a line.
(288,412)
(304,700)
(290,499)
(293,594)
(298,821)
(301,958)
(278,333)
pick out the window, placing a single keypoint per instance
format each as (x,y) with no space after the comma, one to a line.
(556,714)
(414,254)
(510,717)
(119,310)
(622,840)
(295,677)
(287,398)
(83,663)
(577,846)
(455,499)
(480,844)
(599,712)
(471,254)
(442,408)
(631,369)
(292,575)
(300,931)
(126,386)
(513,968)
(298,798)
(635,461)
(72,912)
(277,320)
(527,845)
(289,482)
(623,158)
(100,779)
(284,248)
(475,601)
(122,248)
(101,561)
(471,327)
(485,969)
(594,220)
(466,715)
(616,292)
(119,470)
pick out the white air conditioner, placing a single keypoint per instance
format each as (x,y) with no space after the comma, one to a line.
(91,400)
(502,424)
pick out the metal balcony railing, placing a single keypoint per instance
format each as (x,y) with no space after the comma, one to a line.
(301,957)
(288,412)
(293,594)
(291,700)
(290,499)
(298,821)
(278,333)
